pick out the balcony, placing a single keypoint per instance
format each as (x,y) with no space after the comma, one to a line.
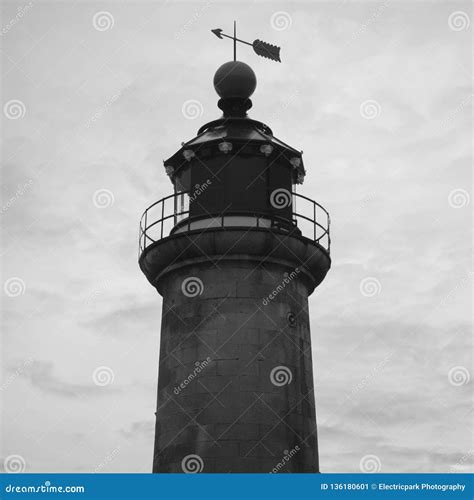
(170,216)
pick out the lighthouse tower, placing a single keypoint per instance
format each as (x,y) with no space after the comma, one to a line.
(235,254)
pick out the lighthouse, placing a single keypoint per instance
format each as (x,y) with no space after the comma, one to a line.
(235,253)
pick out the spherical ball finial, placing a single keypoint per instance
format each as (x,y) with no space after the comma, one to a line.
(235,79)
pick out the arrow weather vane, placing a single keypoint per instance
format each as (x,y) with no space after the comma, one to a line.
(261,48)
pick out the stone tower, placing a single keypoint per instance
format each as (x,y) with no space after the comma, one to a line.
(235,253)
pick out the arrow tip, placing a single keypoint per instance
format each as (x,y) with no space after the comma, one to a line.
(217,32)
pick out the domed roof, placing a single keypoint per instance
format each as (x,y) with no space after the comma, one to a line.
(245,134)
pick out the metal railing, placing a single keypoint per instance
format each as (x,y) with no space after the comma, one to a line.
(170,215)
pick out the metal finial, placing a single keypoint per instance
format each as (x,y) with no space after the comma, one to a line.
(261,48)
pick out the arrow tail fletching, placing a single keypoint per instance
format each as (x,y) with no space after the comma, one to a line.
(267,50)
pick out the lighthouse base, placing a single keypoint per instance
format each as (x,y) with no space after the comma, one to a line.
(235,387)
(235,382)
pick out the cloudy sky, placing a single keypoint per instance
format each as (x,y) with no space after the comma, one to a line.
(379,97)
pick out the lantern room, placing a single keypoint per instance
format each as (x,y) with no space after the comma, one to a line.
(235,167)
(235,173)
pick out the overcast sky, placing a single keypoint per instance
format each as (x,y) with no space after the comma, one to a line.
(377,95)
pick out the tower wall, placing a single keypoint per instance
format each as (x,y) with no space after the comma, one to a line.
(235,382)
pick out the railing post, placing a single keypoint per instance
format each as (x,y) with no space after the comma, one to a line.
(314,220)
(175,218)
(144,232)
(329,232)
(162,216)
(140,239)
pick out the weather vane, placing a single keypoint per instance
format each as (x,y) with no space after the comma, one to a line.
(261,48)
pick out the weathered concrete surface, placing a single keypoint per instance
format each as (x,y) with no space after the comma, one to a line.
(234,243)
(230,414)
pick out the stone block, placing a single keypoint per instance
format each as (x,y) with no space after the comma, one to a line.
(238,431)
(228,367)
(215,384)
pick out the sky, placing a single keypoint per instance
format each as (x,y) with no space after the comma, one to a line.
(379,97)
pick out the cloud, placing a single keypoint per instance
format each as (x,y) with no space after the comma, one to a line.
(124,321)
(143,429)
(41,376)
